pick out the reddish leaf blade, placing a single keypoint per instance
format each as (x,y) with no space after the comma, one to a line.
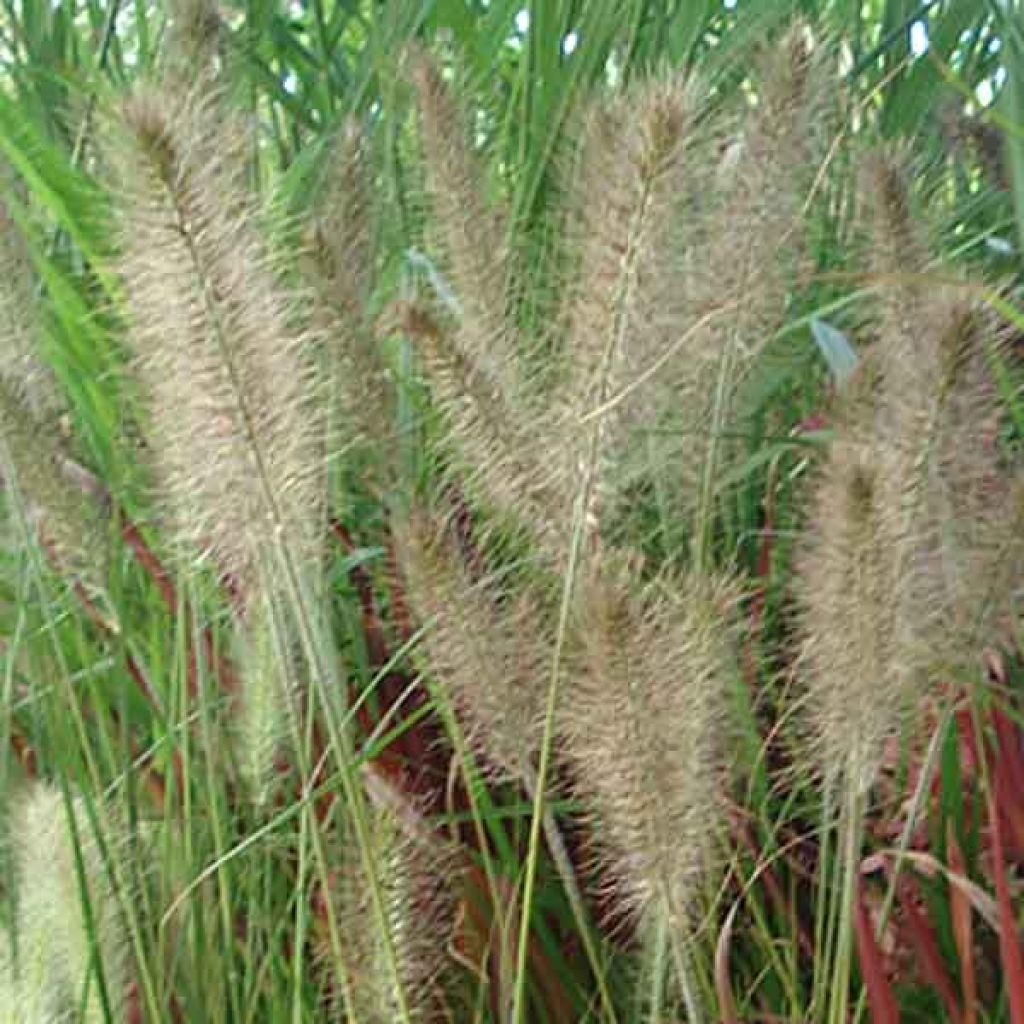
(1009,945)
(881,998)
(963,931)
(926,946)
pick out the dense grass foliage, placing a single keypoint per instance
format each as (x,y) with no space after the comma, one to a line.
(515,512)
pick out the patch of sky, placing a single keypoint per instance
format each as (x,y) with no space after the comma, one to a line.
(988,87)
(918,38)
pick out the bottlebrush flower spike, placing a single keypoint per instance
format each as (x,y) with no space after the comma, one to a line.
(342,238)
(619,311)
(71,947)
(230,388)
(490,652)
(68,523)
(473,232)
(21,363)
(193,41)
(858,687)
(913,546)
(645,720)
(339,262)
(958,545)
(744,249)
(472,356)
(414,867)
(268,691)
(33,450)
(498,455)
(234,426)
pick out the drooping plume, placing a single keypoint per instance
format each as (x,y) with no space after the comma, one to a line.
(339,261)
(497,456)
(267,672)
(194,37)
(21,362)
(470,346)
(907,566)
(472,232)
(957,546)
(66,519)
(342,242)
(858,687)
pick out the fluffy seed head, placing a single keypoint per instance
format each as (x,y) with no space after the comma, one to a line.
(619,310)
(226,375)
(498,455)
(908,563)
(898,247)
(745,246)
(937,412)
(342,243)
(67,523)
(645,716)
(266,709)
(31,446)
(193,39)
(413,868)
(339,261)
(20,362)
(490,652)
(472,233)
(859,685)
(473,359)
(58,948)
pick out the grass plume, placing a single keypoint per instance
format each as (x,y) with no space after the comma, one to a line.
(619,309)
(416,871)
(859,686)
(743,250)
(226,374)
(646,732)
(473,233)
(65,518)
(489,651)
(20,308)
(471,349)
(339,260)
(195,34)
(70,950)
(342,234)
(591,653)
(907,566)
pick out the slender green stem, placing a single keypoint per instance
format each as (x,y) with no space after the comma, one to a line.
(579,910)
(851,828)
(658,958)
